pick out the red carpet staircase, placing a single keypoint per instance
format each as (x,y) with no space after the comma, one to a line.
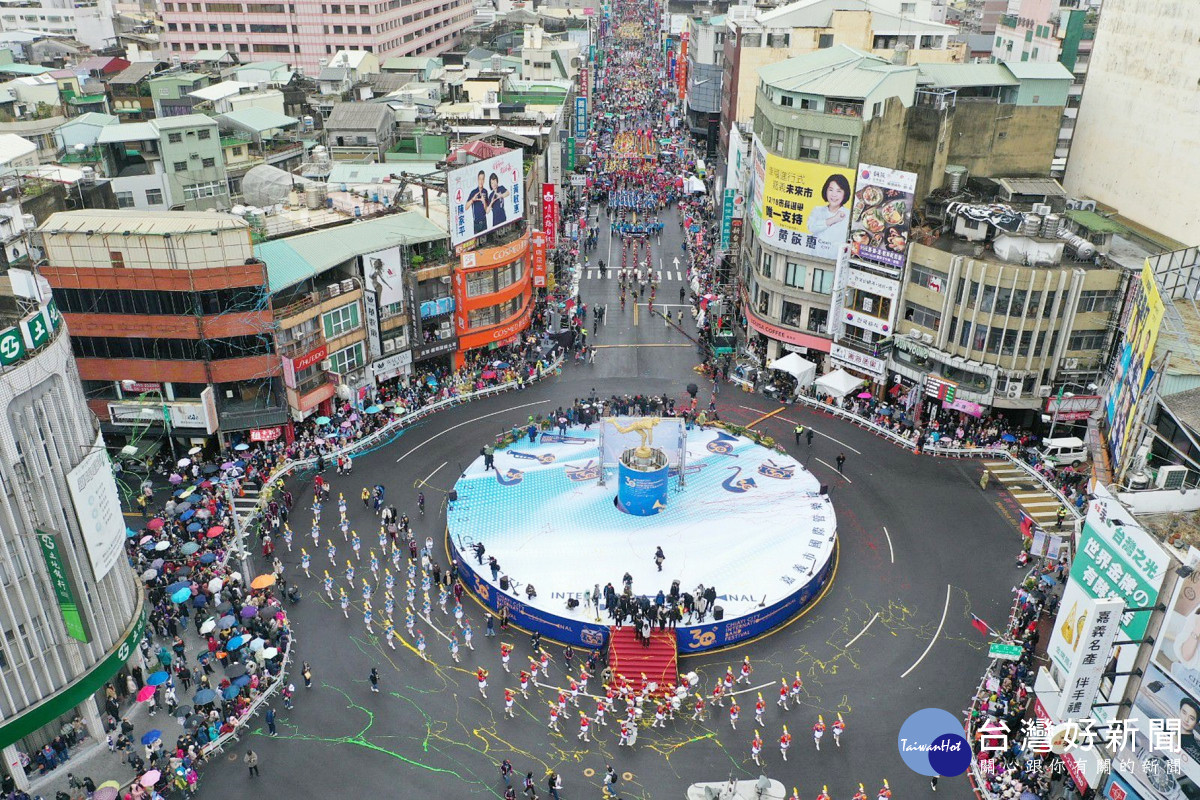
(659,661)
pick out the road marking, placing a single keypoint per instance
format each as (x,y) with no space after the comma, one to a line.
(765,416)
(864,630)
(835,469)
(794,423)
(885,533)
(936,633)
(635,315)
(468,422)
(425,480)
(647,344)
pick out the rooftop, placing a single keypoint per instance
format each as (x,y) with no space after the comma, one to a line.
(957,76)
(1094,222)
(298,258)
(219,91)
(13,147)
(257,120)
(140,222)
(1185,406)
(127,132)
(1039,71)
(410,63)
(134,73)
(819,14)
(838,71)
(358,116)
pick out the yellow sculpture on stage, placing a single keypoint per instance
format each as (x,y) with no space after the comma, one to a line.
(643,427)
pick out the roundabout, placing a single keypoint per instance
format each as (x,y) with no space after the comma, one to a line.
(746,521)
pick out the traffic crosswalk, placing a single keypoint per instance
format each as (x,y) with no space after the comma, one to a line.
(611,274)
(1029,493)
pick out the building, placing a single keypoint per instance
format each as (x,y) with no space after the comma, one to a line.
(1078,33)
(171,93)
(169,162)
(358,129)
(170,317)
(91,24)
(547,57)
(307,33)
(1029,34)
(705,35)
(755,39)
(72,607)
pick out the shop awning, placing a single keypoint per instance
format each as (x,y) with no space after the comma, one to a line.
(838,383)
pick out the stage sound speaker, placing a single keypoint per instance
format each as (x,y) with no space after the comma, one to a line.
(453,495)
(824,488)
(718,613)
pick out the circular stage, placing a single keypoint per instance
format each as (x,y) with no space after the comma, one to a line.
(749,521)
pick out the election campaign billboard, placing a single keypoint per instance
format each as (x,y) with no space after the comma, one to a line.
(486,195)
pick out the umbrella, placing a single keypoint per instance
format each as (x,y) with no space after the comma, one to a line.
(1008,437)
(190,547)
(183,711)
(194,450)
(226,622)
(263,581)
(149,575)
(205,484)
(204,697)
(215,531)
(155,524)
(230,692)
(347,424)
(199,600)
(194,721)
(266,612)
(208,558)
(178,492)
(184,493)
(235,671)
(183,571)
(241,680)
(322,420)
(188,514)
(106,793)
(208,626)
(270,652)
(373,409)
(193,527)
(863,395)
(157,678)
(257,643)
(130,533)
(241,447)
(249,612)
(150,778)
(209,469)
(110,785)
(1049,579)
(163,545)
(145,693)
(227,465)
(175,479)
(225,607)
(215,585)
(157,563)
(203,513)
(239,463)
(151,736)
(182,596)
(236,642)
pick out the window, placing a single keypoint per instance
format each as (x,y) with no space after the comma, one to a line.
(927,277)
(180,166)
(810,147)
(824,41)
(764,302)
(208,162)
(818,320)
(1101,300)
(980,337)
(235,151)
(920,315)
(822,281)
(908,9)
(794,275)
(787,101)
(768,261)
(174,138)
(117,260)
(340,320)
(793,314)
(347,359)
(200,190)
(204,134)
(124,199)
(154,197)
(1086,340)
(839,152)
(780,135)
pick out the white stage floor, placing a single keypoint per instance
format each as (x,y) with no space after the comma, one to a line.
(750,521)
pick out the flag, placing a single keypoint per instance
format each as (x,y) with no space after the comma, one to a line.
(980,625)
(1026,524)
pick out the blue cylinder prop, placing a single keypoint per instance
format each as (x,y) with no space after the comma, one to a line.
(642,492)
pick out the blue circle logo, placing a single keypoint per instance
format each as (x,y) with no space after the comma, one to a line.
(931,742)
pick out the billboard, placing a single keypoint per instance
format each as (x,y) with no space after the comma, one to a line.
(537,249)
(98,509)
(882,215)
(1080,645)
(1125,394)
(385,274)
(799,206)
(1162,770)
(486,195)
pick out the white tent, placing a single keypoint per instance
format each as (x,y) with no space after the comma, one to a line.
(803,371)
(838,383)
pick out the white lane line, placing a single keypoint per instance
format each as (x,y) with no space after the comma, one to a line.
(826,435)
(468,422)
(936,634)
(832,467)
(425,480)
(891,552)
(751,689)
(864,630)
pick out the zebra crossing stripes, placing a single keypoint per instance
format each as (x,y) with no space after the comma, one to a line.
(667,275)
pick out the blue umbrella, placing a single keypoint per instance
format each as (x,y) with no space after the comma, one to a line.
(185,516)
(1048,579)
(179,492)
(1008,437)
(226,622)
(194,526)
(322,420)
(199,600)
(190,547)
(241,680)
(130,533)
(177,585)
(182,595)
(230,692)
(157,678)
(239,463)
(208,558)
(149,737)
(204,696)
(149,545)
(374,409)
(235,643)
(241,447)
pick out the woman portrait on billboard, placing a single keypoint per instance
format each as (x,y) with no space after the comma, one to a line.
(498,197)
(830,223)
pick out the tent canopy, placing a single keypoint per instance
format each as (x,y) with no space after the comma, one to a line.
(803,371)
(838,383)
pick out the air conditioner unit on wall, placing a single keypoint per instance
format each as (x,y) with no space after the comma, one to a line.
(1013,391)
(1087,205)
(326,365)
(1041,209)
(1172,477)
(1070,363)
(333,289)
(1044,391)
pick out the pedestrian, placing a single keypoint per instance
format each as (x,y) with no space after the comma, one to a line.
(933,783)
(530,790)
(251,760)
(799,431)
(506,771)
(841,460)
(271,721)
(374,678)
(490,630)
(1061,514)
(307,673)
(659,558)
(554,783)
(808,435)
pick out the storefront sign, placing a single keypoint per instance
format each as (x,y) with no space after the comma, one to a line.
(266,434)
(860,362)
(387,368)
(571,152)
(941,389)
(140,387)
(872,284)
(439,348)
(310,358)
(866,321)
(727,216)
(496,256)
(29,334)
(537,241)
(549,214)
(735,241)
(178,415)
(1081,644)
(965,406)
(374,346)
(581,113)
(60,582)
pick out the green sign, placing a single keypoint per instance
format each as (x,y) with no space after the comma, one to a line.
(29,334)
(1122,562)
(84,687)
(60,582)
(12,346)
(1009,652)
(571,153)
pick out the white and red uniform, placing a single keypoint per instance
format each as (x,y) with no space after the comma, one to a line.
(756,748)
(524,684)
(818,732)
(699,713)
(601,707)
(734,710)
(509,699)
(583,728)
(785,742)
(745,676)
(758,710)
(481,675)
(553,718)
(839,728)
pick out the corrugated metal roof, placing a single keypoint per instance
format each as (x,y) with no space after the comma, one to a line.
(134,73)
(298,258)
(357,116)
(13,146)
(91,118)
(183,121)
(218,91)
(838,71)
(1032,70)
(953,76)
(143,222)
(127,132)
(377,173)
(1035,186)
(257,119)
(407,63)
(1094,222)
(24,69)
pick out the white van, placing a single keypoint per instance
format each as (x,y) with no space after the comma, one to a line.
(1060,452)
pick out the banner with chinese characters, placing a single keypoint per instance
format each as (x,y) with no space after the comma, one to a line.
(549,214)
(883,206)
(801,206)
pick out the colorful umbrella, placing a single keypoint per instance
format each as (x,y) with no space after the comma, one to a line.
(215,531)
(190,547)
(155,524)
(149,575)
(175,479)
(193,527)
(235,643)
(230,692)
(226,622)
(249,612)
(186,515)
(157,678)
(263,581)
(241,447)
(106,793)
(162,546)
(374,409)
(151,736)
(182,596)
(322,420)
(204,697)
(150,778)
(270,652)
(208,558)
(215,585)
(145,693)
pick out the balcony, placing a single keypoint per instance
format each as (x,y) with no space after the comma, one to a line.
(89,155)
(314,299)
(879,350)
(294,348)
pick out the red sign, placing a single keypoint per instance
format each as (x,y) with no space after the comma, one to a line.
(307,360)
(538,240)
(266,434)
(585,81)
(681,68)
(549,213)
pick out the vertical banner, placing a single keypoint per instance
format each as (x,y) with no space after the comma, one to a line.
(571,154)
(60,582)
(727,216)
(538,241)
(581,117)
(549,214)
